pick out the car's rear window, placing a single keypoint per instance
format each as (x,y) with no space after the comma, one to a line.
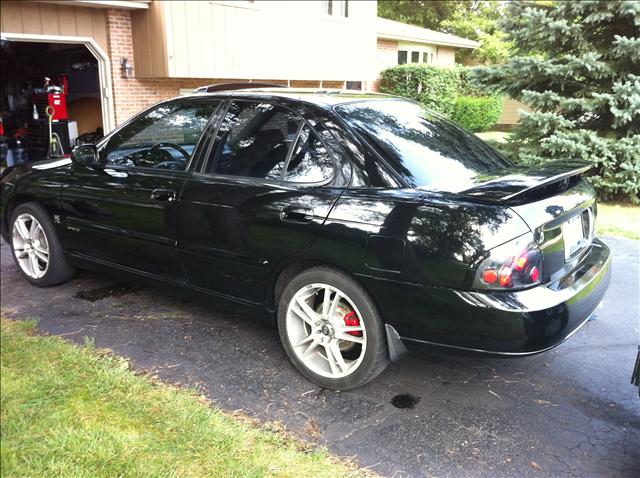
(425,149)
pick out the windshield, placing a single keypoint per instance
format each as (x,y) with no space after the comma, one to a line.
(427,150)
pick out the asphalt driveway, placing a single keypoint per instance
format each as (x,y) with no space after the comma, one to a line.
(567,412)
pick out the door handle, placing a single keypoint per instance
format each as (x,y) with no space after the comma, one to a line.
(296,214)
(163,195)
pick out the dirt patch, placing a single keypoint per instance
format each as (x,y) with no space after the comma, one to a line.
(114,290)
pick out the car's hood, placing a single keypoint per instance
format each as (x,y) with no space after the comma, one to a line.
(515,182)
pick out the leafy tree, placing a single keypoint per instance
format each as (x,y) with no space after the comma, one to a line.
(577,66)
(422,13)
(475,20)
(479,21)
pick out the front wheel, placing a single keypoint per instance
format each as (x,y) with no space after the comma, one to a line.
(36,247)
(331,329)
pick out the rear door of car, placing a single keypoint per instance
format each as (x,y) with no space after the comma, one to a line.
(124,212)
(261,195)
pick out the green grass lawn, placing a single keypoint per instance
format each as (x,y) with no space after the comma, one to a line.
(70,411)
(618,220)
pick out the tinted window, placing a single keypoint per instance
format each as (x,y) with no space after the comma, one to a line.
(368,170)
(253,140)
(310,161)
(424,148)
(163,138)
(402,57)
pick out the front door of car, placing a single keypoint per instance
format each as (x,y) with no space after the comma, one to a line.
(265,187)
(123,212)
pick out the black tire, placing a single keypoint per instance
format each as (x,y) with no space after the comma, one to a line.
(376,356)
(58,270)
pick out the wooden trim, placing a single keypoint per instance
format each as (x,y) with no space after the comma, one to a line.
(123,4)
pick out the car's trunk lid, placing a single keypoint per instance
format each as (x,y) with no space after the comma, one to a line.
(521,184)
(555,202)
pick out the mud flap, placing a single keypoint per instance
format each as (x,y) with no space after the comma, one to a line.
(397,350)
(635,376)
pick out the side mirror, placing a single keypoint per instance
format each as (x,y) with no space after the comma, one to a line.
(85,155)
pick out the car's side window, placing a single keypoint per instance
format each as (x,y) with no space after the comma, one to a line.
(310,161)
(163,138)
(253,140)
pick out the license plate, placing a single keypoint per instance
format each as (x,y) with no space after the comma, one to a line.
(573,235)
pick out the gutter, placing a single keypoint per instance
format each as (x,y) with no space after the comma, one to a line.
(471,44)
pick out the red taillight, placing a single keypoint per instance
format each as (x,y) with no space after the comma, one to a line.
(490,276)
(505,276)
(513,265)
(521,261)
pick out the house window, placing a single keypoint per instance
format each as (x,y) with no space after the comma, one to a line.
(354,85)
(416,54)
(338,8)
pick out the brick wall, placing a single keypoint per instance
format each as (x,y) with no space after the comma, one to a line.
(316,84)
(386,53)
(386,56)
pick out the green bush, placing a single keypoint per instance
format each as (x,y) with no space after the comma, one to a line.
(433,86)
(477,113)
(445,90)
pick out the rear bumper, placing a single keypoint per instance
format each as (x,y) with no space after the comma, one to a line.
(508,323)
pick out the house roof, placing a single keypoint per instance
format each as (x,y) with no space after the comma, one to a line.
(401,31)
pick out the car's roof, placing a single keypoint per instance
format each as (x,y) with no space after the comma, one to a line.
(318,96)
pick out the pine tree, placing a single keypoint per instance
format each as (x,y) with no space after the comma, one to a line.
(577,66)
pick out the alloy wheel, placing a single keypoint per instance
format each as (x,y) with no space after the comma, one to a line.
(326,331)
(30,246)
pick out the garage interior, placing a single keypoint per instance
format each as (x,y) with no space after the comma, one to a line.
(39,75)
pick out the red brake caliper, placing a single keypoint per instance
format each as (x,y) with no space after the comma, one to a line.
(352,320)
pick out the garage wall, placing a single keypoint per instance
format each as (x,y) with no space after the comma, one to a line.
(49,19)
(446,56)
(131,95)
(266,39)
(511,112)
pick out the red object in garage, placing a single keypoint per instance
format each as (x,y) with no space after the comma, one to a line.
(57,100)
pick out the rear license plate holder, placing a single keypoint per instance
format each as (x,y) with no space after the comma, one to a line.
(573,236)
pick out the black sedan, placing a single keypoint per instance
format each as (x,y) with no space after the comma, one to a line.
(359,223)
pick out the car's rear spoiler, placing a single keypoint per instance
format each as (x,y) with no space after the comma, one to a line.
(520,183)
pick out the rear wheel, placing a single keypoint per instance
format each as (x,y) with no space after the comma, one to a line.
(36,248)
(331,330)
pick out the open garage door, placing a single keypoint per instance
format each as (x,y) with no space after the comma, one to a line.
(65,78)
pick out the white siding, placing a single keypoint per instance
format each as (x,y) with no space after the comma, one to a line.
(264,39)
